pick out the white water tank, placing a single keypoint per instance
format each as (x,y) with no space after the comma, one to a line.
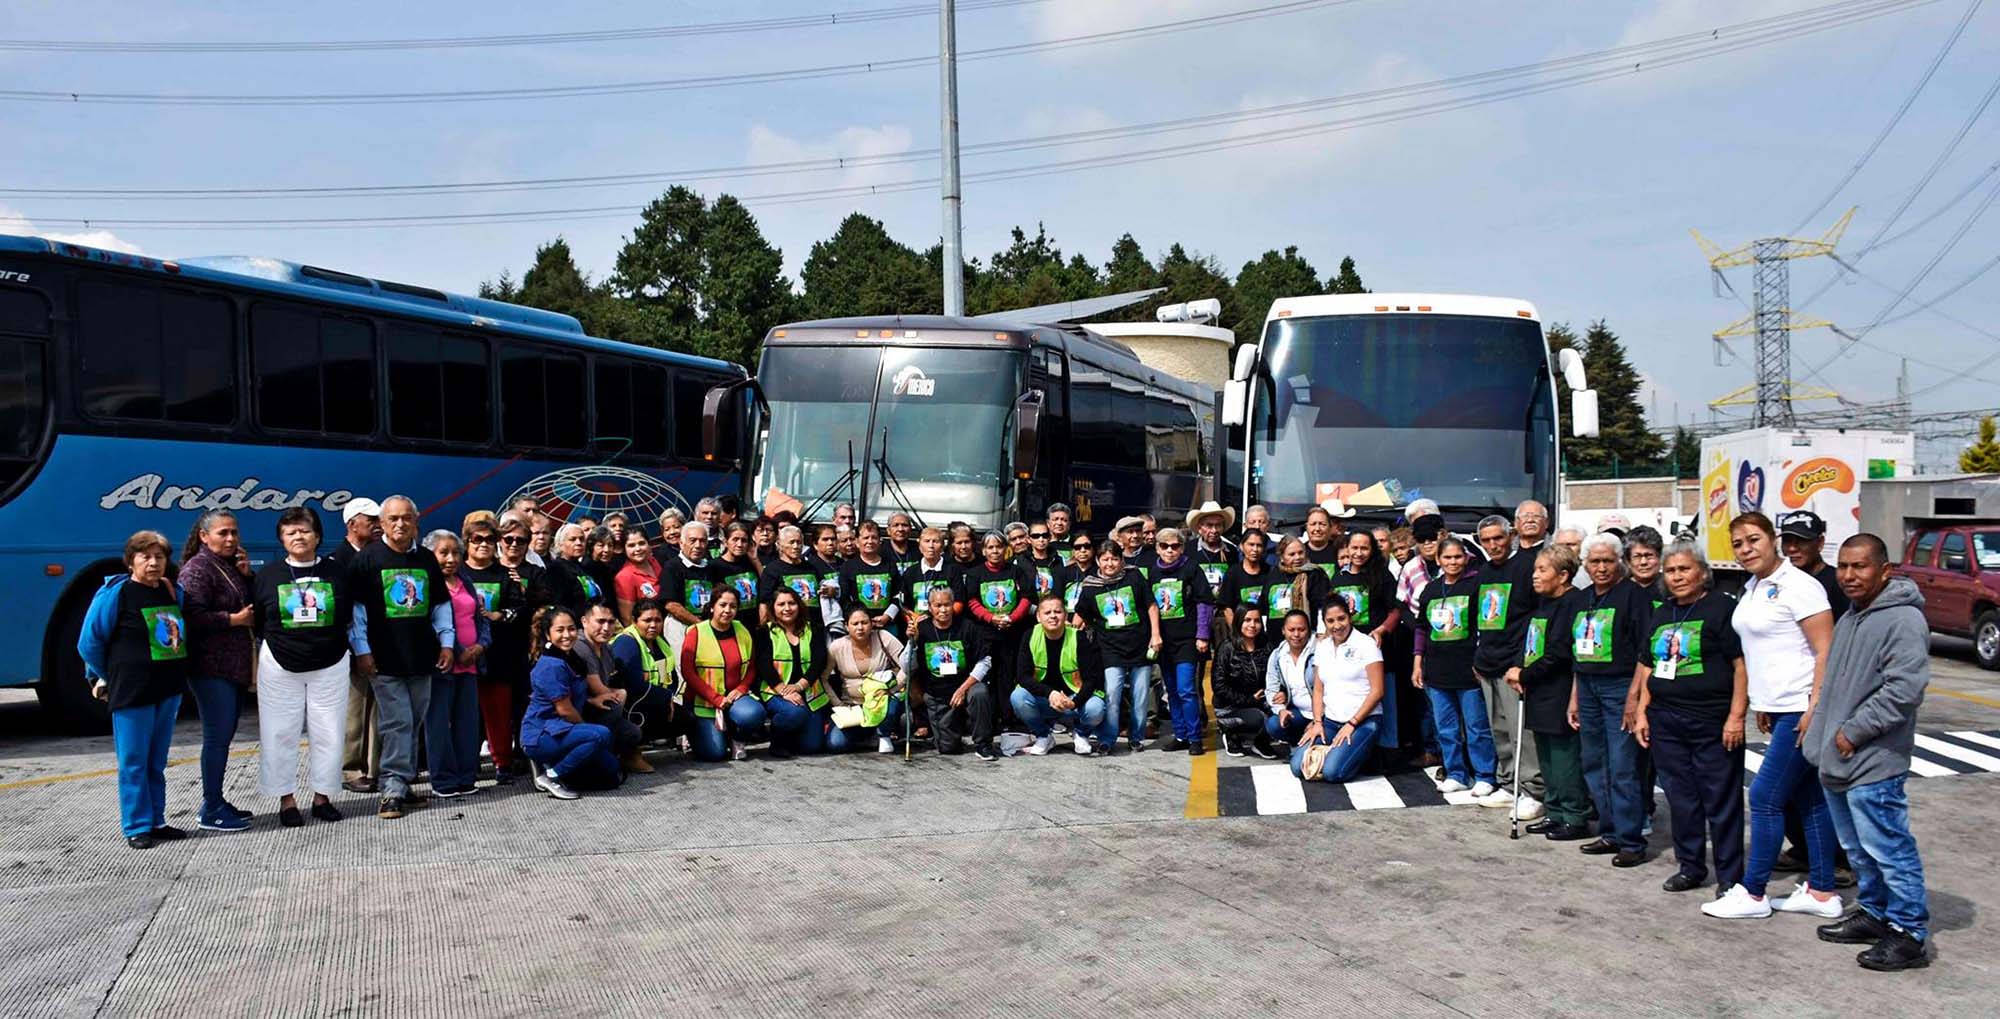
(1186,350)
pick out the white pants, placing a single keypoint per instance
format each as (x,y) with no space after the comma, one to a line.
(287,701)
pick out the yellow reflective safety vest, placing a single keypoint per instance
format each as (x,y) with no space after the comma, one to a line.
(782,659)
(1066,667)
(713,667)
(658,667)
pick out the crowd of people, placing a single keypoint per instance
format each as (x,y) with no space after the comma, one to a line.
(568,651)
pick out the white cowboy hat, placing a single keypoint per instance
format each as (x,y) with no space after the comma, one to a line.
(1337,508)
(1212,509)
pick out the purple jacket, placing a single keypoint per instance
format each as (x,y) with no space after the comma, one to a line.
(214,590)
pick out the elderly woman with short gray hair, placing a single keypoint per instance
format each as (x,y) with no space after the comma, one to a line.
(1693,696)
(1605,642)
(451,723)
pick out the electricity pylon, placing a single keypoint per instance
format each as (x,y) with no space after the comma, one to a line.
(1771,320)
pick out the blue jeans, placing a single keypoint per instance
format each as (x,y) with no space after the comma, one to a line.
(1611,761)
(1288,731)
(1184,700)
(1386,732)
(1873,822)
(791,725)
(1787,777)
(712,744)
(1034,712)
(1464,736)
(452,731)
(1117,680)
(141,736)
(220,703)
(1342,762)
(583,751)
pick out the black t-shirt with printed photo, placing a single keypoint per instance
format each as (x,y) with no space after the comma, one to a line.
(1609,631)
(941,659)
(398,590)
(1328,558)
(1692,650)
(914,587)
(1046,574)
(871,586)
(802,577)
(1116,612)
(692,586)
(303,612)
(1242,589)
(147,660)
(1369,603)
(1506,597)
(1446,614)
(739,575)
(1179,590)
(1214,565)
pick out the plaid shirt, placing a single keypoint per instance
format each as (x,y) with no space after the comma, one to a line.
(1411,583)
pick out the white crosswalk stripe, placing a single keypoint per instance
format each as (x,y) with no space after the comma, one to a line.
(1958,753)
(1980,738)
(1277,791)
(1373,794)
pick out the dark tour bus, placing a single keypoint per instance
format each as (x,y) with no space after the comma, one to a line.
(980,420)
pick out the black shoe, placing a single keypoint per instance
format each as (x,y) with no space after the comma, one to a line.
(1895,952)
(1262,748)
(359,785)
(1567,833)
(411,801)
(1683,882)
(1136,745)
(290,817)
(326,811)
(1172,743)
(779,753)
(1194,748)
(503,777)
(1544,826)
(1601,847)
(390,809)
(985,752)
(1843,877)
(1231,747)
(1856,928)
(141,841)
(1789,862)
(167,833)
(1628,859)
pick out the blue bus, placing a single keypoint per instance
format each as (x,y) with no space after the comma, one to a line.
(137,392)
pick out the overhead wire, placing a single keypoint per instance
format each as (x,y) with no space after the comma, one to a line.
(698,29)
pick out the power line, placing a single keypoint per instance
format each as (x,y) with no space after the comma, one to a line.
(826,19)
(1846,14)
(1757,31)
(1908,101)
(668,84)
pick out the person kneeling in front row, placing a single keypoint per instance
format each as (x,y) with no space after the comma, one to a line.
(948,661)
(554,735)
(1060,679)
(1347,685)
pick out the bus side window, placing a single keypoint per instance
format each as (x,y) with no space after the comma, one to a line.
(542,400)
(438,386)
(155,354)
(315,372)
(631,407)
(24,318)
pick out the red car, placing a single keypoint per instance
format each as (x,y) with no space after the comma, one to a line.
(1958,570)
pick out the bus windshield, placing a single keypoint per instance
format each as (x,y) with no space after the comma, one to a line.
(945,410)
(1458,409)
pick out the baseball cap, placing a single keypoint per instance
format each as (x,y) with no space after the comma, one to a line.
(1801,524)
(1614,523)
(360,507)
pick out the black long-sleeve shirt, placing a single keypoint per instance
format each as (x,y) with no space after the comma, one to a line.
(1042,682)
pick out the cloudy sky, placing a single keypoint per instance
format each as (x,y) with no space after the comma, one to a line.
(1579,198)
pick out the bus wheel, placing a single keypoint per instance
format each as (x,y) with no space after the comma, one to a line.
(62,690)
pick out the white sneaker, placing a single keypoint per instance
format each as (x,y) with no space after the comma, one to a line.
(738,752)
(549,783)
(1482,789)
(885,745)
(1528,808)
(1738,904)
(1041,745)
(1081,744)
(1496,798)
(1451,785)
(1802,900)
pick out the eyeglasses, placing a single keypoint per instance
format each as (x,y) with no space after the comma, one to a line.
(513,540)
(480,539)
(1038,536)
(1170,544)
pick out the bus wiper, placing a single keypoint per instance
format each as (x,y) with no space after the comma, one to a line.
(845,481)
(892,485)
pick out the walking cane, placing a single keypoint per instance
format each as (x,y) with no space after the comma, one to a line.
(1520,709)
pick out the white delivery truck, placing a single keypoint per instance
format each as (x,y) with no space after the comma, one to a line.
(1776,471)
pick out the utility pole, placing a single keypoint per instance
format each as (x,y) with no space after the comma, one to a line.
(954,279)
(1771,321)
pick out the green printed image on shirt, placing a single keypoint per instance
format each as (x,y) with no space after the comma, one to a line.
(166,632)
(1117,608)
(695,594)
(1045,580)
(1332,570)
(306,605)
(405,594)
(745,585)
(803,585)
(1278,600)
(1448,617)
(922,589)
(1493,605)
(1171,596)
(591,591)
(1679,643)
(1536,642)
(945,657)
(1215,572)
(1591,634)
(872,590)
(1357,602)
(487,593)
(998,595)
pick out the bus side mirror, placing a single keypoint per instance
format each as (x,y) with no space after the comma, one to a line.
(1235,402)
(713,405)
(1583,412)
(1027,433)
(1571,364)
(1246,361)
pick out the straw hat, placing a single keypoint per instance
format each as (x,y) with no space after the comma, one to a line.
(1212,509)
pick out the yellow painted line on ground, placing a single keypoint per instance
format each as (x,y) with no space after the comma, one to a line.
(74,776)
(1201,770)
(1963,696)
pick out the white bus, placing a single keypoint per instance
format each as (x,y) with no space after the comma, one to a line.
(1380,399)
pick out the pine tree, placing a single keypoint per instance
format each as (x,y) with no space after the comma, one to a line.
(861,270)
(1686,454)
(1982,457)
(700,278)
(1269,278)
(1347,280)
(744,292)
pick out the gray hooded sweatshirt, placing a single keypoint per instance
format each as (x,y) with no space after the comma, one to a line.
(1876,672)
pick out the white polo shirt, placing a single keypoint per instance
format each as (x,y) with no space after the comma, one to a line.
(1775,651)
(1343,675)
